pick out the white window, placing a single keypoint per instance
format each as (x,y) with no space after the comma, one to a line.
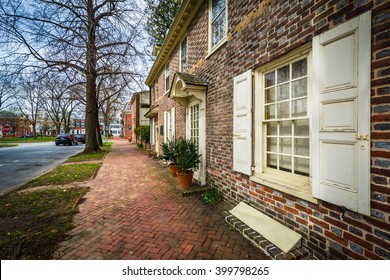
(183,56)
(194,124)
(218,22)
(167,77)
(312,119)
(285,120)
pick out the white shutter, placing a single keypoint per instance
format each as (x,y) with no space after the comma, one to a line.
(173,122)
(242,123)
(152,132)
(341,116)
(165,126)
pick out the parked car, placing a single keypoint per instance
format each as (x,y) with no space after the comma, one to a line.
(66,139)
(80,137)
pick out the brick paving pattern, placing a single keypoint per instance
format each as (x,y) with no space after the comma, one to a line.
(132,212)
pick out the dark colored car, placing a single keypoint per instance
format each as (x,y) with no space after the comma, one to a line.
(66,139)
(80,137)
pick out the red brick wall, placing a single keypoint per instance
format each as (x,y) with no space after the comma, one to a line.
(257,35)
(127,120)
(280,28)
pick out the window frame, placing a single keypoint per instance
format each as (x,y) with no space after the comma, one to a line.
(181,56)
(294,184)
(211,48)
(166,77)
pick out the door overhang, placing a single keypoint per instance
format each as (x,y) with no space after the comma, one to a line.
(186,88)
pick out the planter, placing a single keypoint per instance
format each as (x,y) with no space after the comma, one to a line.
(185,178)
(173,168)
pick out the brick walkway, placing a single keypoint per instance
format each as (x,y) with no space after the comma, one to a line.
(132,212)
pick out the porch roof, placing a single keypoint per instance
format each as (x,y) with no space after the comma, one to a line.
(186,87)
(153,111)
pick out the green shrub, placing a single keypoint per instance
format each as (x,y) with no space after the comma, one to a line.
(187,154)
(169,151)
(143,132)
(212,196)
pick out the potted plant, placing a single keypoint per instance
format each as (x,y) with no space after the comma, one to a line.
(169,154)
(188,160)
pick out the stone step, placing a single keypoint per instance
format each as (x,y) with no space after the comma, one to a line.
(273,238)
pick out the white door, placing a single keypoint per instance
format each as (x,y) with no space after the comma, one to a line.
(341,121)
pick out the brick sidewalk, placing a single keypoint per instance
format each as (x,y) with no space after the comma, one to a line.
(132,212)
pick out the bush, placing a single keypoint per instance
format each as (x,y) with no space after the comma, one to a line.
(169,151)
(187,154)
(143,132)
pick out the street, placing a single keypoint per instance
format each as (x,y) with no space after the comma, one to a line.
(18,165)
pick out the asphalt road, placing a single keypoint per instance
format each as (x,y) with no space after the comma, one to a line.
(18,165)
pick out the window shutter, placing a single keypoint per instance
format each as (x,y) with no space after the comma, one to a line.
(242,123)
(341,117)
(173,122)
(152,132)
(165,126)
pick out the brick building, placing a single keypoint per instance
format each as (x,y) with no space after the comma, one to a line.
(140,106)
(127,121)
(289,102)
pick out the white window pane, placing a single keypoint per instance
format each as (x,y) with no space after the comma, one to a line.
(285,163)
(301,127)
(283,74)
(272,161)
(283,92)
(270,112)
(301,146)
(301,166)
(270,95)
(283,110)
(286,128)
(272,128)
(272,144)
(299,88)
(299,108)
(285,145)
(299,68)
(217,7)
(270,79)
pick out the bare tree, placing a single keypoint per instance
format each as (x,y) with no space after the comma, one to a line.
(7,89)
(86,39)
(30,101)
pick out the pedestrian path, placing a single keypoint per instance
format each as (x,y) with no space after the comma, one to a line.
(132,212)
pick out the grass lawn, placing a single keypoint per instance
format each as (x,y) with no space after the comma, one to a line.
(95,156)
(65,174)
(33,223)
(4,145)
(28,140)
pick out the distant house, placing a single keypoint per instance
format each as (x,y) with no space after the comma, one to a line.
(140,104)
(127,121)
(288,101)
(78,126)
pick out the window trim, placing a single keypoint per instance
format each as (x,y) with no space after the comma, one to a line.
(212,49)
(294,184)
(165,78)
(180,55)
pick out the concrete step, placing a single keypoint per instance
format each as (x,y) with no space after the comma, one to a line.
(273,238)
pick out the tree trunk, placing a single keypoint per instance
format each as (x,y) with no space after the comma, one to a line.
(98,132)
(91,108)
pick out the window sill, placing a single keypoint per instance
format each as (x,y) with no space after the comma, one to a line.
(297,186)
(216,47)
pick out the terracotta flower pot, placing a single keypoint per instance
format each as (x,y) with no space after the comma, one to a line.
(185,178)
(173,168)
